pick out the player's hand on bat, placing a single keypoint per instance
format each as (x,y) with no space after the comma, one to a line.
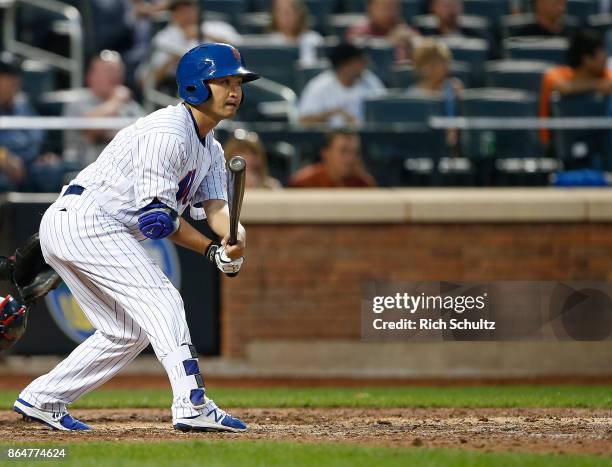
(235,251)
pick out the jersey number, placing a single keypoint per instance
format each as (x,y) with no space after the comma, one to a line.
(185,187)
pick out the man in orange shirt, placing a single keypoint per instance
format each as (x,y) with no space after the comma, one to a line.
(586,72)
(340,167)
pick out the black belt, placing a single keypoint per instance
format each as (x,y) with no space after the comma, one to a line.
(74,190)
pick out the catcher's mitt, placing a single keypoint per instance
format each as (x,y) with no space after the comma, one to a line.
(28,271)
(13,320)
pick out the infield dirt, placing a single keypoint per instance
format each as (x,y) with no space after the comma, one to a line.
(579,431)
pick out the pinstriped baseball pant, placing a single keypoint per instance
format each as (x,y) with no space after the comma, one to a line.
(123,293)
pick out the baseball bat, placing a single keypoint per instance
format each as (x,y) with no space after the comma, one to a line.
(236,169)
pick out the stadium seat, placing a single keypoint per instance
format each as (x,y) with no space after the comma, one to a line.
(582,8)
(339,23)
(582,148)
(601,22)
(267,101)
(497,102)
(513,24)
(409,113)
(518,74)
(303,74)
(275,62)
(411,107)
(471,51)
(38,78)
(233,9)
(493,10)
(552,50)
(402,75)
(502,157)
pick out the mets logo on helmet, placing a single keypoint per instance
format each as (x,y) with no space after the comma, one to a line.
(236,53)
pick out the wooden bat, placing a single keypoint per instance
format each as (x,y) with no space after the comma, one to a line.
(236,170)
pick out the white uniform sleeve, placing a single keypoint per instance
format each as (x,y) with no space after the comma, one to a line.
(214,185)
(157,159)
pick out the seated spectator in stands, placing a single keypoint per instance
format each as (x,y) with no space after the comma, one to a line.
(385,21)
(448,13)
(549,20)
(335,97)
(21,164)
(432,60)
(289,26)
(105,96)
(182,34)
(340,167)
(248,145)
(586,72)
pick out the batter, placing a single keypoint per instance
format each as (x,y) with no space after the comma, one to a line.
(138,188)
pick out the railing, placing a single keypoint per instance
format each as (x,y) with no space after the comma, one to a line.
(73,26)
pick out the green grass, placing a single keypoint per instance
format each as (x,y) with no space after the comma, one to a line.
(271,454)
(468,396)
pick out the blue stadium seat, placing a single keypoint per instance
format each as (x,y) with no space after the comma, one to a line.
(552,50)
(266,101)
(472,51)
(495,102)
(231,8)
(518,74)
(38,78)
(403,76)
(339,23)
(582,148)
(275,62)
(303,74)
(400,134)
(512,25)
(413,107)
(601,22)
(582,8)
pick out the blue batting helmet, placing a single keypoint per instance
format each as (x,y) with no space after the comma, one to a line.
(205,62)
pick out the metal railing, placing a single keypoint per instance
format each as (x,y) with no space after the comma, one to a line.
(72,26)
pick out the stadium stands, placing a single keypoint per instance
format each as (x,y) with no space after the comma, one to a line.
(500,71)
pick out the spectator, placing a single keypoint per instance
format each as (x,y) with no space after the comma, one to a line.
(448,13)
(289,25)
(341,165)
(432,61)
(21,164)
(248,145)
(105,96)
(335,97)
(586,72)
(384,21)
(549,20)
(182,34)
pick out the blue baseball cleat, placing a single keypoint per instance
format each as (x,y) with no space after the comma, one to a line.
(212,418)
(56,420)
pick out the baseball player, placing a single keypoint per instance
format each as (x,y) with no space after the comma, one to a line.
(138,188)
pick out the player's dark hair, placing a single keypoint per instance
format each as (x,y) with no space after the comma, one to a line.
(342,53)
(585,42)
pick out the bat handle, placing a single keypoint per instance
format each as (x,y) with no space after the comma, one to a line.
(232,241)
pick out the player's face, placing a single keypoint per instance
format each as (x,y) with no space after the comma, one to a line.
(226,94)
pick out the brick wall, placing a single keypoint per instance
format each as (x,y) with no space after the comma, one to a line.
(304,281)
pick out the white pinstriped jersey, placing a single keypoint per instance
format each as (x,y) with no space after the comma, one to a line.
(159,156)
